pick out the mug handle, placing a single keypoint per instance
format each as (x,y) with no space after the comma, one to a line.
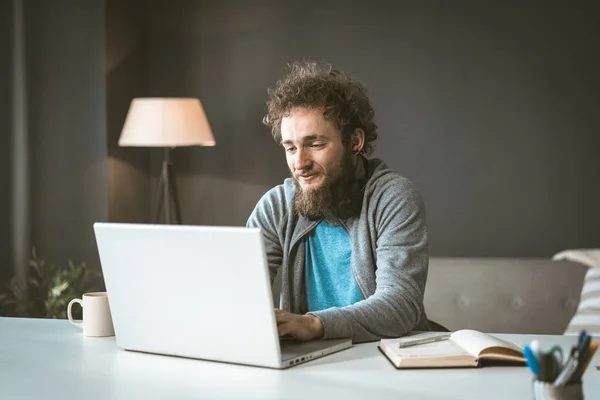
(70,316)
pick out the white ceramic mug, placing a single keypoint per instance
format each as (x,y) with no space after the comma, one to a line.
(97,320)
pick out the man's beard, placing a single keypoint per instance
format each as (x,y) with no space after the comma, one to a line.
(314,202)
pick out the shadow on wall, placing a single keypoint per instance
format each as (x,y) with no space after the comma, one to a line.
(227,55)
(125,71)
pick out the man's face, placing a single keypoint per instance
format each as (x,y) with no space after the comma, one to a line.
(317,158)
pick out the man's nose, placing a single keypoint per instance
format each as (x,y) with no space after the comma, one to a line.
(302,160)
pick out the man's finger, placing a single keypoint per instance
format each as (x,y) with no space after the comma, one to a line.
(283,317)
(285,328)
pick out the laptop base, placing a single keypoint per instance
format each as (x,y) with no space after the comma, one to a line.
(294,352)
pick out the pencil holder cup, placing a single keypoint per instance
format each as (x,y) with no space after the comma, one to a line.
(547,391)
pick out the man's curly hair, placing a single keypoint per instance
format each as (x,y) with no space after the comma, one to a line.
(317,86)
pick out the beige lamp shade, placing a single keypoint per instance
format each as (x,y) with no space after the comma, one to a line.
(166,122)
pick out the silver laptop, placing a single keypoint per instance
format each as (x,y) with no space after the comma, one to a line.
(198,292)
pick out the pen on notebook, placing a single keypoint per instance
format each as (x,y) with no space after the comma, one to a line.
(429,339)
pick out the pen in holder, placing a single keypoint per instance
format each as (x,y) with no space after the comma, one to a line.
(557,376)
(548,391)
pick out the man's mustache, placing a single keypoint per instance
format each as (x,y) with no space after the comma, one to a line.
(306,174)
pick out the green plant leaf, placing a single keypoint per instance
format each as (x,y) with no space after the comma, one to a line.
(50,287)
(58,289)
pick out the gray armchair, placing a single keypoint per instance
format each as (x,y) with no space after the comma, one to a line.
(495,295)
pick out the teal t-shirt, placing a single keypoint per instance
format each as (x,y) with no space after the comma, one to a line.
(328,275)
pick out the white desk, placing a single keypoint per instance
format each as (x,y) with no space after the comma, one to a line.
(51,359)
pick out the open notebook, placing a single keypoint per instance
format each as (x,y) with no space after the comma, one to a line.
(465,348)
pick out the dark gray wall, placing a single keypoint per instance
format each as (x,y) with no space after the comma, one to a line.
(67,125)
(129,191)
(5,138)
(496,110)
(491,108)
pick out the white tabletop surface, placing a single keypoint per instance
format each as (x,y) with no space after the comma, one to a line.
(51,359)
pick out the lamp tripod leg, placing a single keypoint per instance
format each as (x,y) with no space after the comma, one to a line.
(167,202)
(167,192)
(175,196)
(159,198)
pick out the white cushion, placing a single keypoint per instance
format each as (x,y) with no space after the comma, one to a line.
(589,257)
(587,315)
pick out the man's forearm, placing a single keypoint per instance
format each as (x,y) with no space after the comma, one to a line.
(380,316)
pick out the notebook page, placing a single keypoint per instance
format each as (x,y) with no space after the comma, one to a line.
(429,350)
(475,342)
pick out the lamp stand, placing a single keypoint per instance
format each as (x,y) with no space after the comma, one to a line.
(167,193)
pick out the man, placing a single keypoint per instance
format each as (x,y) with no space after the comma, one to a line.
(348,232)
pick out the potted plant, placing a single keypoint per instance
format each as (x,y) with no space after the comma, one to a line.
(50,287)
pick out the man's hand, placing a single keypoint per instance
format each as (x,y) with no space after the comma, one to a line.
(301,327)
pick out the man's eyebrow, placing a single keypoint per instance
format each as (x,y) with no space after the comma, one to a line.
(309,138)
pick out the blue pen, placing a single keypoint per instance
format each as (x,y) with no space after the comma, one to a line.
(584,343)
(532,361)
(583,346)
(583,340)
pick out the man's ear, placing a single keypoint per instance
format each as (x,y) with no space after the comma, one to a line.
(358,140)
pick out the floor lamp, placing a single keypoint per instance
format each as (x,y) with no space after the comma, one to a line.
(168,123)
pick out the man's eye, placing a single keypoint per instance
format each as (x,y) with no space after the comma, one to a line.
(317,145)
(290,149)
